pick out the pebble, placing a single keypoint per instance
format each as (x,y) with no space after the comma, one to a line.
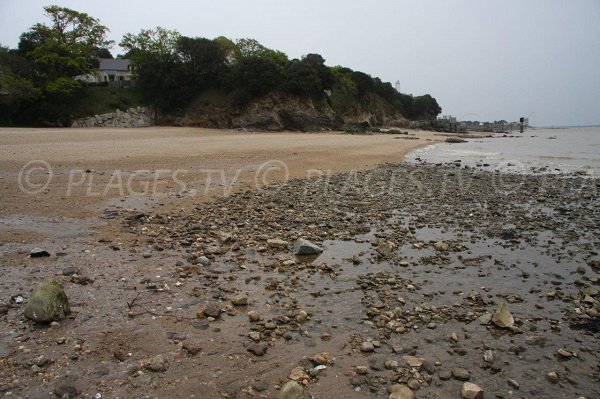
(367,347)
(399,391)
(156,364)
(258,348)
(471,391)
(38,253)
(552,376)
(254,316)
(461,374)
(240,300)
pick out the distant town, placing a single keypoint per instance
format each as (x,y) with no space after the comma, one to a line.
(448,123)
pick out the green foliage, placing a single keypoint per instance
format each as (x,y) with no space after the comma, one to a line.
(156,41)
(252,77)
(172,71)
(250,48)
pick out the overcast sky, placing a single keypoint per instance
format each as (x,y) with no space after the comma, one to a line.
(481,60)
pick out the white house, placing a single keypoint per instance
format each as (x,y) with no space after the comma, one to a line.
(110,70)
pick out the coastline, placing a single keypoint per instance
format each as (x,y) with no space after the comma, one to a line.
(416,260)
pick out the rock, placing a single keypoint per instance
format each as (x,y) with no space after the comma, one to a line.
(298,374)
(429,366)
(204,261)
(254,316)
(48,303)
(445,375)
(367,347)
(455,140)
(254,336)
(193,346)
(212,309)
(485,319)
(301,316)
(293,390)
(488,356)
(414,361)
(471,391)
(156,364)
(503,318)
(69,271)
(277,243)
(441,246)
(38,253)
(305,247)
(552,376)
(391,364)
(565,354)
(513,383)
(399,391)
(240,300)
(258,348)
(361,370)
(461,374)
(323,358)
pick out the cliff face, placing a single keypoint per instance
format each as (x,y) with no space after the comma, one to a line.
(277,111)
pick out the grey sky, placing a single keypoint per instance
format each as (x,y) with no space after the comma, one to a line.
(481,60)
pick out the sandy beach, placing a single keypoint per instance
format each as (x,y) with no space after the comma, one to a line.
(421,277)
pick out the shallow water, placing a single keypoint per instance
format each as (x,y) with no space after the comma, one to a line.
(554,150)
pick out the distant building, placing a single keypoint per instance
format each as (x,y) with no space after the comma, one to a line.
(110,70)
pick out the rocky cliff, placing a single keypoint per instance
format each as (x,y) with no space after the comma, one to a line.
(277,111)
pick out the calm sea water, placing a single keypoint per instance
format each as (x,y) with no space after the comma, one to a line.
(535,151)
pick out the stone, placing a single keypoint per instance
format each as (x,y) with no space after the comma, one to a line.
(301,316)
(441,246)
(502,317)
(565,354)
(254,316)
(513,383)
(400,391)
(254,336)
(488,356)
(391,364)
(156,364)
(47,303)
(213,309)
(304,247)
(413,361)
(361,370)
(471,391)
(258,348)
(298,374)
(445,375)
(367,347)
(323,358)
(193,346)
(485,319)
(69,271)
(461,374)
(38,253)
(240,300)
(277,243)
(293,390)
(552,376)
(204,261)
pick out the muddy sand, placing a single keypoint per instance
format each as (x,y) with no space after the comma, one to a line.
(173,295)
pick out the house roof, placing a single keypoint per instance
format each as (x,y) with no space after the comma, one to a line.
(116,64)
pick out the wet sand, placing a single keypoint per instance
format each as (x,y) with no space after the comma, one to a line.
(416,259)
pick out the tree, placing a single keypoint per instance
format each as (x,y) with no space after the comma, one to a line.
(66,47)
(253,77)
(245,48)
(158,41)
(308,76)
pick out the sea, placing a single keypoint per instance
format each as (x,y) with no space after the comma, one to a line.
(574,150)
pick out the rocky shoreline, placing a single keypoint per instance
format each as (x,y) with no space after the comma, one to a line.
(434,281)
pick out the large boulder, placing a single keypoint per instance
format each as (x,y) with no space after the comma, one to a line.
(47,303)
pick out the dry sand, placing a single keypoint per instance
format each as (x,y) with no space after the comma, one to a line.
(96,169)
